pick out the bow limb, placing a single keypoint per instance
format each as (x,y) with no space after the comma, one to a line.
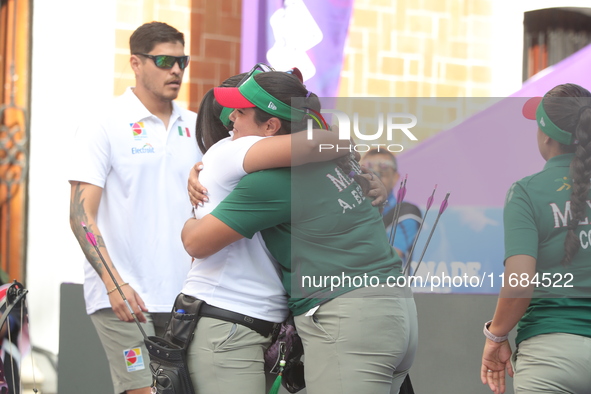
(14,294)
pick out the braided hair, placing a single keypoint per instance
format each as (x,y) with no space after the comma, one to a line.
(569,107)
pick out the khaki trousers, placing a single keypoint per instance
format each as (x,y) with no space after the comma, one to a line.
(361,342)
(226,357)
(553,363)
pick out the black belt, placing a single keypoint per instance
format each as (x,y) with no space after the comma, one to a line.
(263,327)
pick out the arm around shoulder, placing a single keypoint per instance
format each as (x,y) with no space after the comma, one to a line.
(206,236)
(295,149)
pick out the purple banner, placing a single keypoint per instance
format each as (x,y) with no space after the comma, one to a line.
(480,158)
(307,34)
(477,161)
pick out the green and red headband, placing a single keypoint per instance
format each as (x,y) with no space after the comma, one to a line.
(534,109)
(250,94)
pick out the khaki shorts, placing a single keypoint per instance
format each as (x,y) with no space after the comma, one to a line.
(124,346)
(553,363)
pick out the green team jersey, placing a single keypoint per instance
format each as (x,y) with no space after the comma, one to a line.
(535,222)
(326,236)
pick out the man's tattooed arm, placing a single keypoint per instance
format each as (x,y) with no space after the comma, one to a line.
(84,203)
(79,213)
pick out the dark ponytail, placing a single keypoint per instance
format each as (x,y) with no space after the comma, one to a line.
(569,107)
(209,128)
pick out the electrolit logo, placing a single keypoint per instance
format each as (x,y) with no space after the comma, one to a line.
(147,148)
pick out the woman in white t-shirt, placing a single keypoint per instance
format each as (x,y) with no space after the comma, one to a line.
(240,285)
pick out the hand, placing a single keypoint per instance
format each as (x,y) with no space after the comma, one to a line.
(377,190)
(197,193)
(135,301)
(496,358)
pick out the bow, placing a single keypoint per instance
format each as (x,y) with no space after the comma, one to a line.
(14,294)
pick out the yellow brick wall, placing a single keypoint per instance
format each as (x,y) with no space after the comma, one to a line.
(133,13)
(395,48)
(418,48)
(216,27)
(426,48)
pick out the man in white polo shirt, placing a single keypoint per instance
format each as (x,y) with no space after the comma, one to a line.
(128,184)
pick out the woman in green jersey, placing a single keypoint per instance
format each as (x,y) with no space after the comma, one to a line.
(547,286)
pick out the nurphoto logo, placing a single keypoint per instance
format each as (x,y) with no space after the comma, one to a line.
(389,123)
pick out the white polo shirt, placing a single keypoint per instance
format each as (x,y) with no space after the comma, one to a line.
(243,277)
(143,169)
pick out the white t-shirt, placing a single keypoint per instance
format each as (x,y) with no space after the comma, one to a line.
(143,169)
(243,277)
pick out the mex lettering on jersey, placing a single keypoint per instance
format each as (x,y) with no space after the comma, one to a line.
(342,182)
(561,218)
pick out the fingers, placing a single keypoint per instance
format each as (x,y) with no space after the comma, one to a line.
(197,197)
(122,310)
(509,368)
(377,190)
(136,303)
(492,382)
(197,193)
(494,379)
(194,202)
(380,201)
(483,373)
(141,308)
(371,179)
(119,307)
(140,316)
(490,379)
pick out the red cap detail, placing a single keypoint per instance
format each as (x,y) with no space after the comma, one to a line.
(530,107)
(231,98)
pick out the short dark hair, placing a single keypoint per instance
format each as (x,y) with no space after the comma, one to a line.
(145,37)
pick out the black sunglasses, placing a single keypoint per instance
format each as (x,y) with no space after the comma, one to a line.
(259,66)
(167,61)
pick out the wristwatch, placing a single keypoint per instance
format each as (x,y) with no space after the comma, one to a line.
(492,336)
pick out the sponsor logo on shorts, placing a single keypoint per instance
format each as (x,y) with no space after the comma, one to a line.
(134,359)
